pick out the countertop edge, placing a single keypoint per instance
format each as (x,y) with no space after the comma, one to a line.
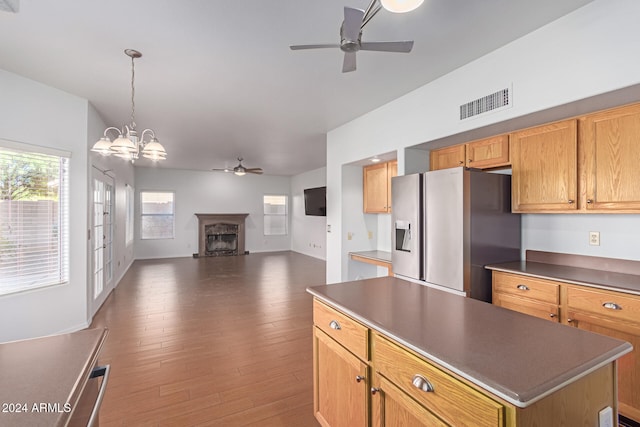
(513,398)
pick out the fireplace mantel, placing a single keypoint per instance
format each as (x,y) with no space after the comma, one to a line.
(205,219)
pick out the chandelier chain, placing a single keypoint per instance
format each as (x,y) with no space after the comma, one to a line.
(133,93)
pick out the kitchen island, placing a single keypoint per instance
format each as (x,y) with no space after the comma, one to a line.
(388,350)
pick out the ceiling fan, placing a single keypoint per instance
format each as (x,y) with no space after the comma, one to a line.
(351,37)
(241,170)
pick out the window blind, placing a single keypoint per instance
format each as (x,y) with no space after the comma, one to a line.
(34,220)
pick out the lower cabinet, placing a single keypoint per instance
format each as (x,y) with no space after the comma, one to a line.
(341,384)
(610,313)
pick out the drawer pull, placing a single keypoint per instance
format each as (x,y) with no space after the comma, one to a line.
(335,325)
(359,378)
(374,390)
(552,315)
(523,287)
(100,371)
(612,306)
(422,383)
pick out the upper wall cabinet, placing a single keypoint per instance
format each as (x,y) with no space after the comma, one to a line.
(581,165)
(544,161)
(377,186)
(611,155)
(482,154)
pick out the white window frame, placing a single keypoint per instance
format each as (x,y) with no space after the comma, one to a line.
(130,195)
(271,214)
(49,265)
(173,215)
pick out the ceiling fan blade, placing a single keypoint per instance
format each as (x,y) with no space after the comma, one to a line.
(352,23)
(254,170)
(222,170)
(313,46)
(402,46)
(349,63)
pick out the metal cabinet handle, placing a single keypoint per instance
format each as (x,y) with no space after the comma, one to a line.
(461,162)
(374,390)
(612,306)
(100,371)
(523,287)
(552,315)
(335,325)
(359,378)
(422,383)
(570,201)
(569,320)
(589,201)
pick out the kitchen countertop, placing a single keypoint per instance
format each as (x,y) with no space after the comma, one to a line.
(517,357)
(381,256)
(50,371)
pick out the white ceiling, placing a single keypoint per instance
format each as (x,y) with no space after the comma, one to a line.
(217,79)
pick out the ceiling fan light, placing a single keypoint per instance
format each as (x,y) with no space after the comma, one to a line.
(103,146)
(401,6)
(123,145)
(240,172)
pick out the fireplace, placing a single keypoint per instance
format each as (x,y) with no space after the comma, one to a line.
(221,234)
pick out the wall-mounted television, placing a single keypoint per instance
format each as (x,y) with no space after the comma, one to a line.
(315,201)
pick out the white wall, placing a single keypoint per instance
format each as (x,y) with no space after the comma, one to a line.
(583,54)
(308,233)
(36,114)
(209,192)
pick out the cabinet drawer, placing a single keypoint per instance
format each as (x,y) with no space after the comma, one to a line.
(528,287)
(612,305)
(351,334)
(450,399)
(539,309)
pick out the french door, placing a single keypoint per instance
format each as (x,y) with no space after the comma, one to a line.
(101,239)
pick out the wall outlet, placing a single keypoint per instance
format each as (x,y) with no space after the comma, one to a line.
(328,228)
(605,417)
(594,238)
(370,235)
(349,235)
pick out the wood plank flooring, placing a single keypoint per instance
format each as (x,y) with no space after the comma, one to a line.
(211,342)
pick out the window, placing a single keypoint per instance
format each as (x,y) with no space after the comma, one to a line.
(275,215)
(34,217)
(128,225)
(157,215)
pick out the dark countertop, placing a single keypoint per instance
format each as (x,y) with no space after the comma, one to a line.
(381,256)
(614,281)
(517,357)
(50,370)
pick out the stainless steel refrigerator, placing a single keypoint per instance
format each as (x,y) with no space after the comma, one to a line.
(448,224)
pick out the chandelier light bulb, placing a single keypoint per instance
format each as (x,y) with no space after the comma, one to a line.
(401,6)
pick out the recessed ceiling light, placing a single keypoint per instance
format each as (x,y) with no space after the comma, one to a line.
(375,159)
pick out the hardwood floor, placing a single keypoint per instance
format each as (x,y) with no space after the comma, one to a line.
(212,342)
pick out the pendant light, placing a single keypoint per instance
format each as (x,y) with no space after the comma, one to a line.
(401,6)
(128,145)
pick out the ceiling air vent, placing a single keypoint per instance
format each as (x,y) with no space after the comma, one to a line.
(500,99)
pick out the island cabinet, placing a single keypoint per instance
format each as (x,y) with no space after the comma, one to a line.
(487,153)
(374,342)
(377,186)
(341,371)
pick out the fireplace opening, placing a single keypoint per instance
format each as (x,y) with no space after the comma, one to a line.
(221,239)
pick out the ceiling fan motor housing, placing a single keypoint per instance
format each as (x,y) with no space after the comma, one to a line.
(347,45)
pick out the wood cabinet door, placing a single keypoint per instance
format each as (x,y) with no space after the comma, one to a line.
(375,181)
(392,170)
(488,153)
(628,365)
(341,385)
(392,407)
(448,157)
(611,143)
(544,162)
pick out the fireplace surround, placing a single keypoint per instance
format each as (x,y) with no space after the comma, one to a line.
(221,234)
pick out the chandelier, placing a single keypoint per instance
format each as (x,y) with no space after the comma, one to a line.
(128,145)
